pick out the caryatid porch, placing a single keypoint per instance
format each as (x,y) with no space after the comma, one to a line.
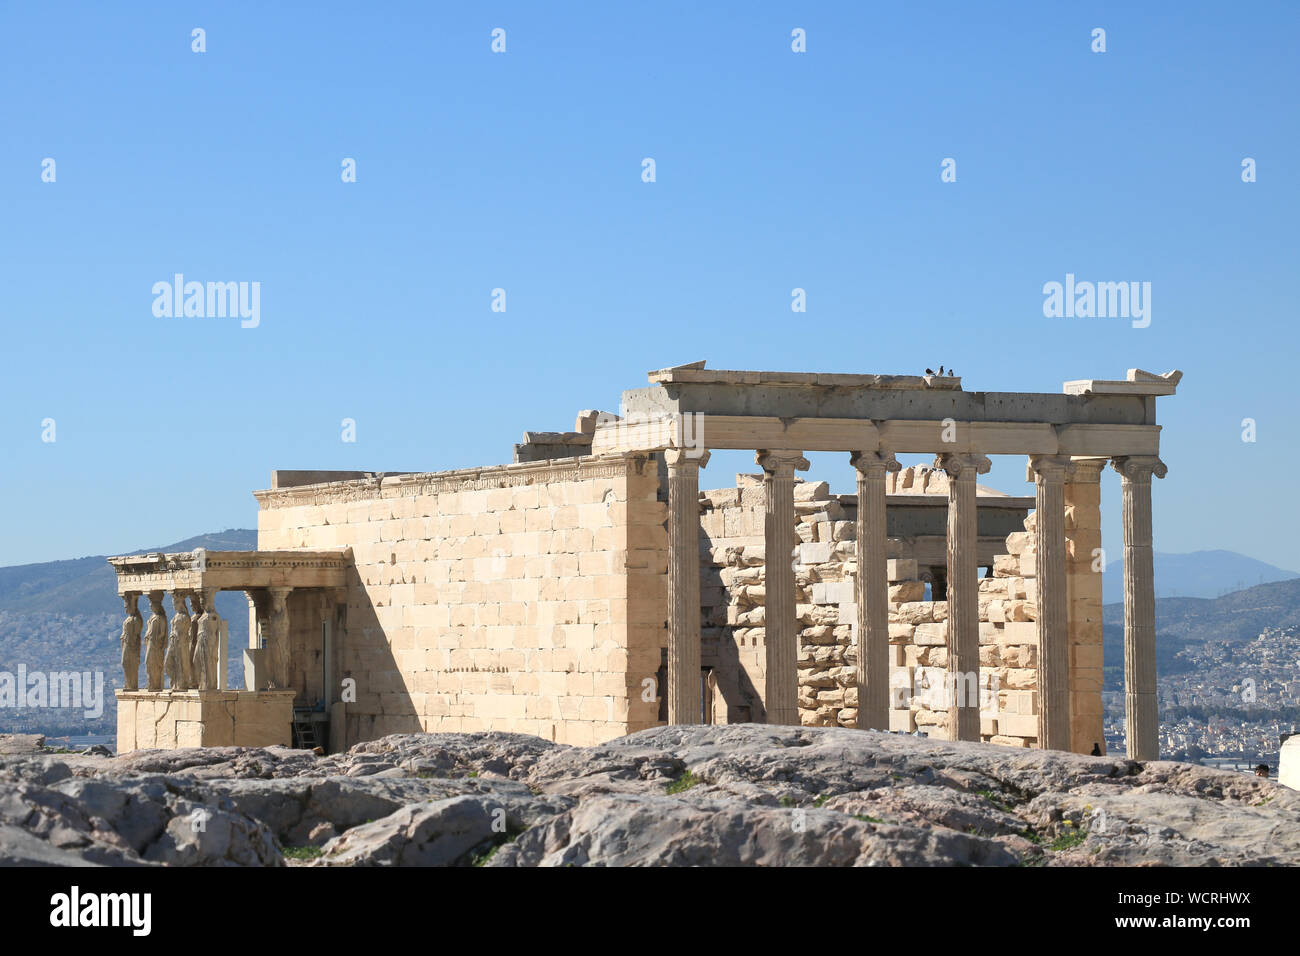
(186,700)
(1067,439)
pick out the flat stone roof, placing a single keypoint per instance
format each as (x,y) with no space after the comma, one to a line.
(694,389)
(1138,382)
(231,570)
(696,373)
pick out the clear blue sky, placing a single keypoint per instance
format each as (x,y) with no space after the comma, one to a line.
(522,170)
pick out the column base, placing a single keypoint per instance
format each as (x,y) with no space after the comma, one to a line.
(170,719)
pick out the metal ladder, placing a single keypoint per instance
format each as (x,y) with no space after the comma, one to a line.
(304,729)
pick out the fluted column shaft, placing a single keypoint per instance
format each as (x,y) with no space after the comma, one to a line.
(1142,727)
(1049,474)
(684,584)
(963,593)
(781,627)
(1083,573)
(871,590)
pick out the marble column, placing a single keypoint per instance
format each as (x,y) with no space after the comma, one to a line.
(1083,572)
(1142,728)
(963,593)
(871,589)
(1049,473)
(684,584)
(780,625)
(258,610)
(277,637)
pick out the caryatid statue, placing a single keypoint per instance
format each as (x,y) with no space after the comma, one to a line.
(277,625)
(155,642)
(131,629)
(196,601)
(177,663)
(207,649)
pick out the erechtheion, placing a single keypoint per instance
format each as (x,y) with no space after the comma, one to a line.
(589,589)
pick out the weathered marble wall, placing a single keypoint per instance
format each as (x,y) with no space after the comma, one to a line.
(525,597)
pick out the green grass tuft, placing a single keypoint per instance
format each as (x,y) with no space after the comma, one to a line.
(684,783)
(1068,841)
(302,852)
(992,798)
(481,859)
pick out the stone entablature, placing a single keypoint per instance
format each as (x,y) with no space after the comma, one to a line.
(696,374)
(230,570)
(418,484)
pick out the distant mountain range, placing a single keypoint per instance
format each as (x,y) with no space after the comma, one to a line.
(1202,596)
(88,585)
(1234,618)
(1201,574)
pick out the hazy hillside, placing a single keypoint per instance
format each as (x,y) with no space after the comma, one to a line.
(1236,617)
(87,585)
(1201,574)
(66,615)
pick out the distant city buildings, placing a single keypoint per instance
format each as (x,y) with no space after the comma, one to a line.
(1229,705)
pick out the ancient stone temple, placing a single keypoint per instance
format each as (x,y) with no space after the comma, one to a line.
(589,589)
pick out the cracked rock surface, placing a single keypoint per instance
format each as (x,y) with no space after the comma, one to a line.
(743,794)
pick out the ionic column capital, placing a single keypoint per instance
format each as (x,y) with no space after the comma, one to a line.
(1139,468)
(963,464)
(685,461)
(1088,470)
(874,464)
(780,462)
(1049,468)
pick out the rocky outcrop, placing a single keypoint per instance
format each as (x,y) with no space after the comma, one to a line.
(672,796)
